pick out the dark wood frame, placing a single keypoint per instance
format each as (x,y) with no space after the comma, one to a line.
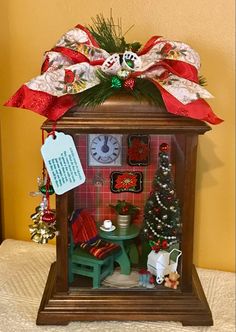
(61,303)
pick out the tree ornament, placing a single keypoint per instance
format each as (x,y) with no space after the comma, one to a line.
(164,147)
(164,244)
(116,83)
(129,84)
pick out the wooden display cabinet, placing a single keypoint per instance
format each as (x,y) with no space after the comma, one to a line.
(62,303)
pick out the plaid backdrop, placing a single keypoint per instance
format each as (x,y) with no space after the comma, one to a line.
(97,197)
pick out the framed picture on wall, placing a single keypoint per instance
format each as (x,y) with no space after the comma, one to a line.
(138,150)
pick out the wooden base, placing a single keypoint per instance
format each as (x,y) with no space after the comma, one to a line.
(122,304)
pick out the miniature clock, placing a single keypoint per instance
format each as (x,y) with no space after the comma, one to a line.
(104,150)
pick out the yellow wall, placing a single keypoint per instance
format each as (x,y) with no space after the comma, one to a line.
(31,27)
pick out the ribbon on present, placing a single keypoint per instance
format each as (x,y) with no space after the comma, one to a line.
(74,64)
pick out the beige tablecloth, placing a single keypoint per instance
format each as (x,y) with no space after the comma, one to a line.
(24,268)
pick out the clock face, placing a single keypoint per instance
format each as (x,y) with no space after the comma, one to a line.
(104,149)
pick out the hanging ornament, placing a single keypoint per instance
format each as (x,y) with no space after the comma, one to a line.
(164,147)
(129,83)
(43,227)
(41,232)
(116,83)
(49,216)
(43,189)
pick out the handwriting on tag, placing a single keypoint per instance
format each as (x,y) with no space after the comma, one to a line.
(62,162)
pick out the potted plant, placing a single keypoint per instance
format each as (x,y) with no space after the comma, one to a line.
(125,210)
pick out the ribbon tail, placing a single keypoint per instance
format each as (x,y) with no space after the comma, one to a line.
(198,109)
(40,102)
(50,94)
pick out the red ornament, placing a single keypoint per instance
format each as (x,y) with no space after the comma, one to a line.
(164,244)
(164,147)
(48,217)
(129,83)
(156,248)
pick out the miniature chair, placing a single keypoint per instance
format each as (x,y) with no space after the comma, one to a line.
(88,254)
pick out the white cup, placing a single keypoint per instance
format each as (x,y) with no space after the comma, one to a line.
(107,224)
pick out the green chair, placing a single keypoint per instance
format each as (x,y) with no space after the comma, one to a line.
(81,262)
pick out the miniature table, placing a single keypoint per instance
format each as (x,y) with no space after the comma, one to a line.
(121,237)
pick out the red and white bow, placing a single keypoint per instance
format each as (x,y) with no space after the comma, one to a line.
(71,66)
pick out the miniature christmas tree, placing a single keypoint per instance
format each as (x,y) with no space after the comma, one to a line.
(161,226)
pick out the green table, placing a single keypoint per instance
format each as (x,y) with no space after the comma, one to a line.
(123,237)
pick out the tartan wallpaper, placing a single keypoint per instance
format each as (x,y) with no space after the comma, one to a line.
(95,194)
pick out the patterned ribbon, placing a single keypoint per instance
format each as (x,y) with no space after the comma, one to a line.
(71,66)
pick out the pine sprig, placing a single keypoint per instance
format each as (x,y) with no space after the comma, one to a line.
(97,94)
(109,35)
(202,80)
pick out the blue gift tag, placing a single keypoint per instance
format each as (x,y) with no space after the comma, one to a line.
(62,162)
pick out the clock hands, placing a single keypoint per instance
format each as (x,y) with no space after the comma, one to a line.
(105,148)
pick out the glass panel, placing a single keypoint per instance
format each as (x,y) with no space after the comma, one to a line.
(119,169)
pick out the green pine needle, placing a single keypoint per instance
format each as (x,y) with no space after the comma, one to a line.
(109,35)
(146,89)
(202,80)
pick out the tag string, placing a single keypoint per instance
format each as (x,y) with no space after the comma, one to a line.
(47,191)
(43,168)
(53,132)
(44,171)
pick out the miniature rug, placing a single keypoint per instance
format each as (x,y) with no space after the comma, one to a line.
(118,280)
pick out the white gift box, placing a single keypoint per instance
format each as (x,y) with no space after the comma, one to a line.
(162,263)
